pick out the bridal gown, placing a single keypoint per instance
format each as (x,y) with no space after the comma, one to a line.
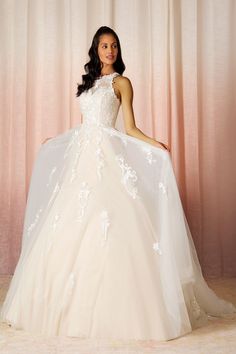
(106,248)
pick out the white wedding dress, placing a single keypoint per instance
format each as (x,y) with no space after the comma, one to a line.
(106,248)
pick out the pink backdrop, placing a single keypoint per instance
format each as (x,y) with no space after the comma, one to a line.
(180,57)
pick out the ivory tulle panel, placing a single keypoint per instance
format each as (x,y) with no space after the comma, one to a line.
(106,248)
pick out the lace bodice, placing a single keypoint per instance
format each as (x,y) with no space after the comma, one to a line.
(100,105)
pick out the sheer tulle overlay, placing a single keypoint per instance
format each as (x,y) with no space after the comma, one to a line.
(106,248)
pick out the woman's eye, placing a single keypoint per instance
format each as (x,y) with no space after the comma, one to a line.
(105,46)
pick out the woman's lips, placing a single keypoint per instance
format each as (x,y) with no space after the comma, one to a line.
(110,57)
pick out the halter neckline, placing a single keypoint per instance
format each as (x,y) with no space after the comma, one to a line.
(106,75)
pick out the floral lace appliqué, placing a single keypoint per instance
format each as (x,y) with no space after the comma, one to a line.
(71,282)
(162,187)
(129,177)
(195,308)
(83,195)
(149,154)
(71,143)
(100,161)
(105,223)
(74,168)
(124,140)
(99,154)
(54,224)
(113,132)
(54,192)
(56,218)
(156,247)
(51,175)
(32,225)
(99,104)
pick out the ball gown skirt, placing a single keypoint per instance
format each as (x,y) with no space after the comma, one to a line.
(106,248)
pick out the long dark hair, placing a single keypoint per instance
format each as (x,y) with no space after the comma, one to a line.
(93,67)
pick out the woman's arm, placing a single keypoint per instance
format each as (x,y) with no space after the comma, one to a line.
(125,89)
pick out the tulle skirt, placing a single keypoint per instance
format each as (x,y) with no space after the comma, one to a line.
(106,248)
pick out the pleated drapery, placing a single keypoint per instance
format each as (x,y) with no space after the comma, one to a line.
(180,57)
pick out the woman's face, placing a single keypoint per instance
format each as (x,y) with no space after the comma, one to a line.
(107,49)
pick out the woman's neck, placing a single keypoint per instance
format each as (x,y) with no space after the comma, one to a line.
(107,71)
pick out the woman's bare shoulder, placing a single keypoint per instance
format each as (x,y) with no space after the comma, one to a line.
(123,81)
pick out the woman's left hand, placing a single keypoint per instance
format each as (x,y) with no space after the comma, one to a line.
(166,146)
(162,145)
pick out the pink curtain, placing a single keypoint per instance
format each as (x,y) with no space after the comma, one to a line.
(180,57)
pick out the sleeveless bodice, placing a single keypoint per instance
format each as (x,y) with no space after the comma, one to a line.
(99,105)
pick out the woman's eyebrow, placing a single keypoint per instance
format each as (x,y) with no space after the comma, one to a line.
(108,43)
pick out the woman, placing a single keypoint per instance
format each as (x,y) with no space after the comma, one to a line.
(106,249)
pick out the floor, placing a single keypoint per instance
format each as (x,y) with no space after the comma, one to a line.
(218,336)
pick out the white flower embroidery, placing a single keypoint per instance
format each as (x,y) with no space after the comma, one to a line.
(71,142)
(56,218)
(129,177)
(162,187)
(149,155)
(32,225)
(100,161)
(87,134)
(75,164)
(105,223)
(70,283)
(99,153)
(55,190)
(124,140)
(50,176)
(119,135)
(83,199)
(54,226)
(196,310)
(156,247)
